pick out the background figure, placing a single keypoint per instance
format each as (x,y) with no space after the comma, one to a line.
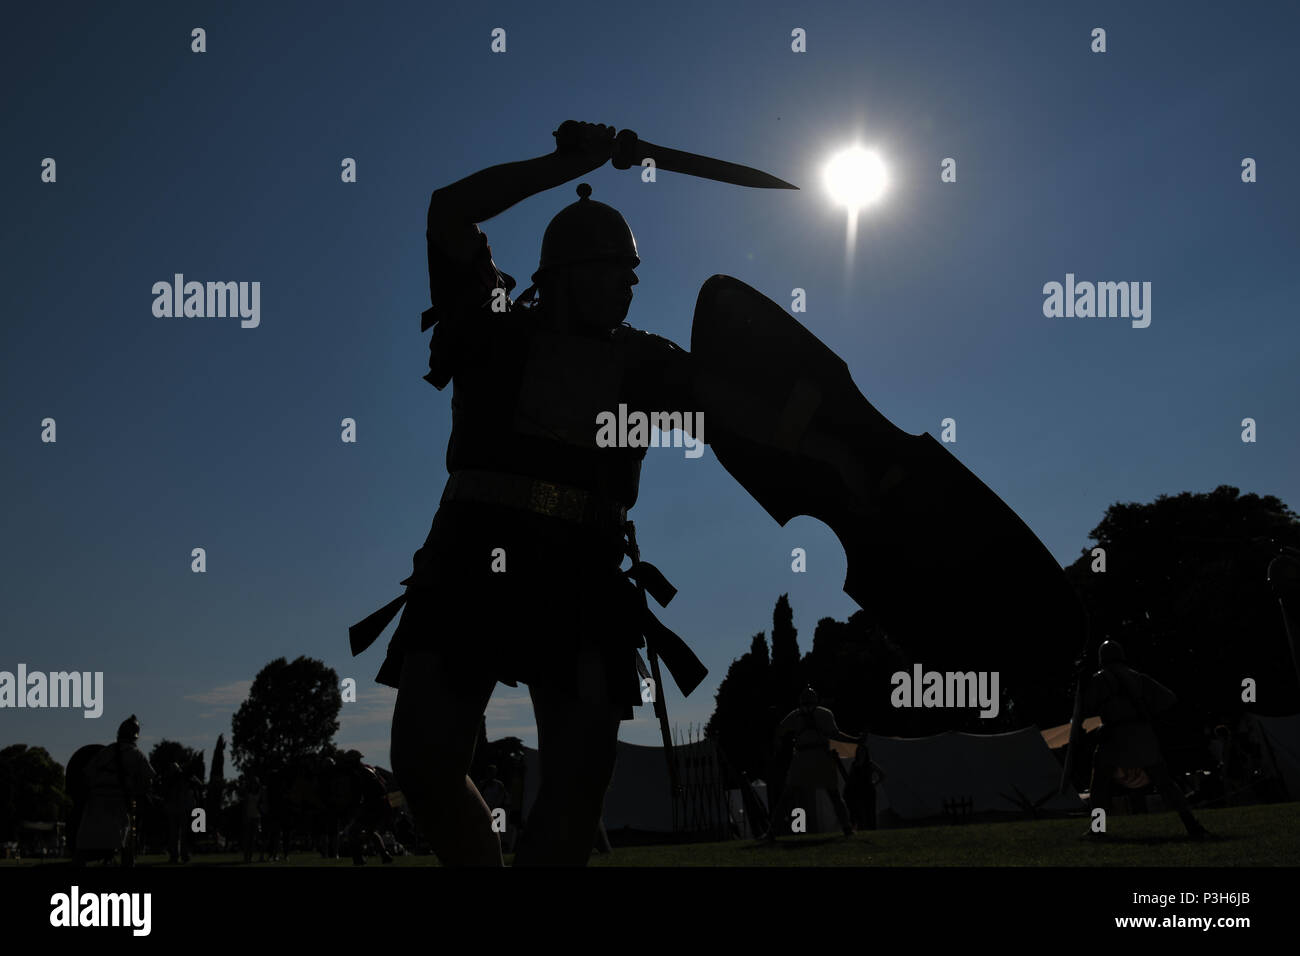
(116,777)
(253,799)
(369,812)
(180,793)
(814,765)
(1126,699)
(860,791)
(497,796)
(1222,753)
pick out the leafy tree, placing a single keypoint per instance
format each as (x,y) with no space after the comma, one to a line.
(31,788)
(166,752)
(291,712)
(1185,591)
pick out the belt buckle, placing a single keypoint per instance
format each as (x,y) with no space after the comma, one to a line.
(556,501)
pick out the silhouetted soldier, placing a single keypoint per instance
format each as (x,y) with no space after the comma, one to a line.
(180,796)
(370,812)
(1126,699)
(117,776)
(519,578)
(814,765)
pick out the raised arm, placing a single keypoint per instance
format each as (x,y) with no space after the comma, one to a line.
(579,148)
(834,732)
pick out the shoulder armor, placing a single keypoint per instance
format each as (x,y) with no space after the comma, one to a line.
(626,334)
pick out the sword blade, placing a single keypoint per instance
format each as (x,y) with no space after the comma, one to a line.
(692,164)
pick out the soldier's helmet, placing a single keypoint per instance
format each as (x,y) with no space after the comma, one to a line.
(1284,572)
(1110,652)
(808,698)
(586,231)
(129,729)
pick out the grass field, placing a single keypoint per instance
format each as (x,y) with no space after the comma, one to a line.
(1266,835)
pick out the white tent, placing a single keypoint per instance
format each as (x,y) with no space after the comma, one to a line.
(638,796)
(1283,736)
(995,773)
(920,775)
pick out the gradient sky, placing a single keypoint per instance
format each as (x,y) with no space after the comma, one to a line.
(180,433)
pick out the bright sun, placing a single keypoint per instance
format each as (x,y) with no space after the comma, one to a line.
(856,177)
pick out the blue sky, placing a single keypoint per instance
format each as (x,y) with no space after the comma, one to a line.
(175,433)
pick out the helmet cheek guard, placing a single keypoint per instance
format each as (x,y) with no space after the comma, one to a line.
(586,231)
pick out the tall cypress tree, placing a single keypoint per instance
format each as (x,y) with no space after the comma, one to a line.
(785,655)
(740,722)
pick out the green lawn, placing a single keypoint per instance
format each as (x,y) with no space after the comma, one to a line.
(1245,836)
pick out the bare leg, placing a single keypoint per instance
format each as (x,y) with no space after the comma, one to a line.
(1173,796)
(578,740)
(1100,791)
(780,822)
(435,724)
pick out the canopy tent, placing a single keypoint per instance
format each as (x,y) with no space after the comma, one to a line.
(1059,736)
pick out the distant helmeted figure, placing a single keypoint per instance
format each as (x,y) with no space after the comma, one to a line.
(182,793)
(813,766)
(116,776)
(1126,698)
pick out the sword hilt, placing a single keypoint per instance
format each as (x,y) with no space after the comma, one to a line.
(624,154)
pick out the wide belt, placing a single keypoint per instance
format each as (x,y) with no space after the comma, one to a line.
(532,494)
(571,504)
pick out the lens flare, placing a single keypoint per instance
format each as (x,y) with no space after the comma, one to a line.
(856,177)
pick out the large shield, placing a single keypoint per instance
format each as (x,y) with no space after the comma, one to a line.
(78,789)
(934,556)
